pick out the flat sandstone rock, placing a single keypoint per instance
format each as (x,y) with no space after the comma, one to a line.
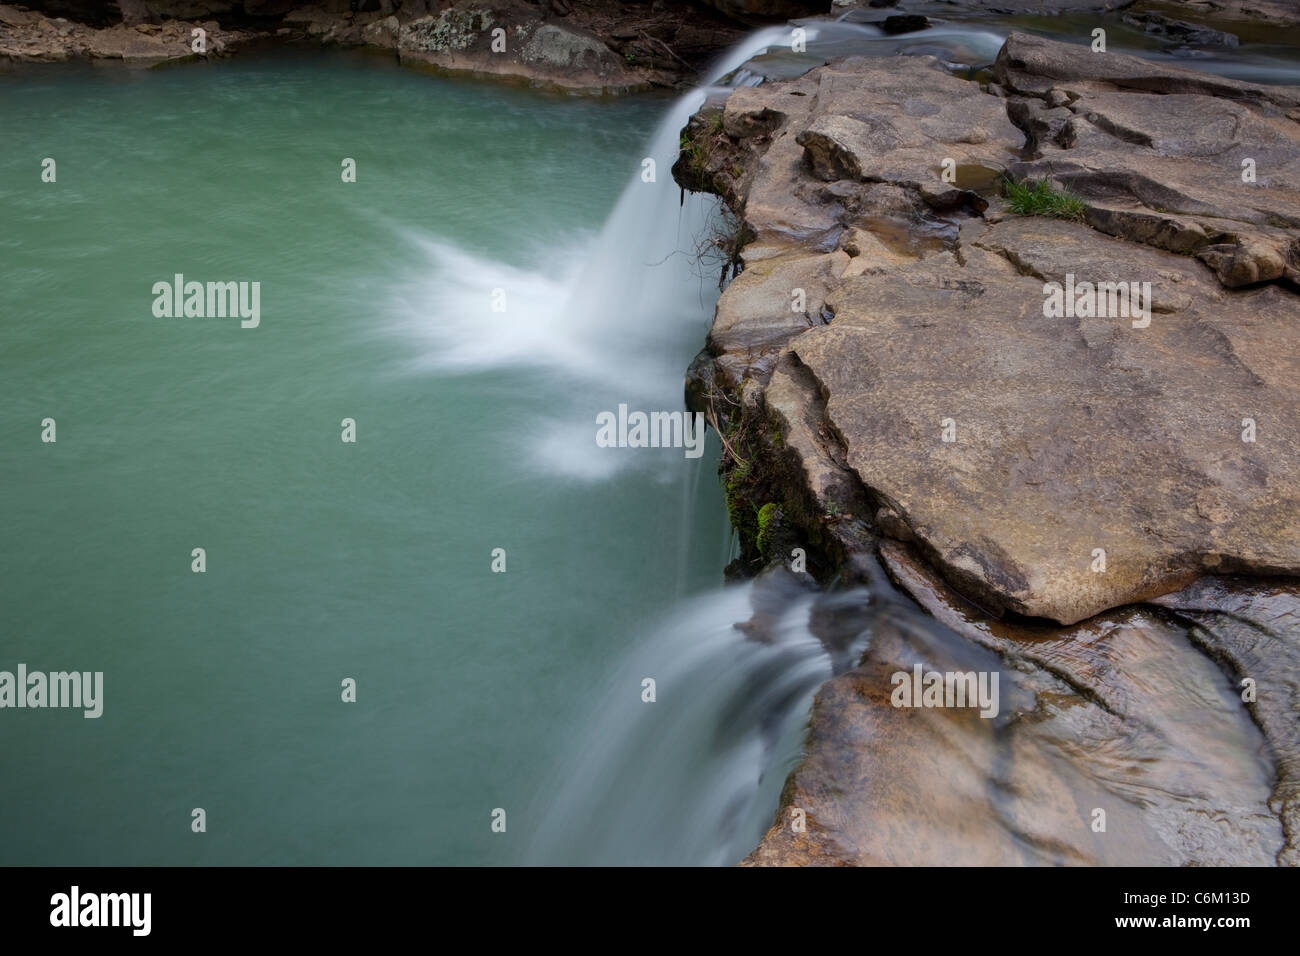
(1069,435)
(1047,461)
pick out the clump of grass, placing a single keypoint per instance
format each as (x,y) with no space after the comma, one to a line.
(1037,197)
(694,153)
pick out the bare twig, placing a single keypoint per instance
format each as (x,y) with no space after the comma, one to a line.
(667,49)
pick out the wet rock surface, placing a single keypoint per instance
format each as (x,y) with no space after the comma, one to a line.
(1180,33)
(1121,716)
(1252,630)
(1057,489)
(1211,168)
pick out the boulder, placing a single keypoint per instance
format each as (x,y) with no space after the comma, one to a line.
(903,23)
(1180,32)
(562,48)
(459,40)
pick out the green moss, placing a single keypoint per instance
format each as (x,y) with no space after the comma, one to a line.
(739,510)
(767,516)
(1039,198)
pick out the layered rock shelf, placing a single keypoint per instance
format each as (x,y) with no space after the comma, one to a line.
(1101,502)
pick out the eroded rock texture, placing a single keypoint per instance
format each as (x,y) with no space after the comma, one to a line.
(1101,504)
(910,301)
(1121,714)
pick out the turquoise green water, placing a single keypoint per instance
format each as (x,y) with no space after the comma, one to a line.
(325,560)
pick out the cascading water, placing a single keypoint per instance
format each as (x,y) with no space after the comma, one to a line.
(694,776)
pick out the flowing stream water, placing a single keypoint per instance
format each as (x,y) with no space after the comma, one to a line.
(325,560)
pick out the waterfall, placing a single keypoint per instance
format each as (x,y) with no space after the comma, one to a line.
(641,276)
(616,318)
(692,778)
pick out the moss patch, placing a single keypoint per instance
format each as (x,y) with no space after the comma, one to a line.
(768,515)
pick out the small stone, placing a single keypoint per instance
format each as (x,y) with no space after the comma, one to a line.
(904,23)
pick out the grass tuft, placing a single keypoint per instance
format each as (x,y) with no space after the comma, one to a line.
(1038,198)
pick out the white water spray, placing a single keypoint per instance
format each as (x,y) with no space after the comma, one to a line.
(616,318)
